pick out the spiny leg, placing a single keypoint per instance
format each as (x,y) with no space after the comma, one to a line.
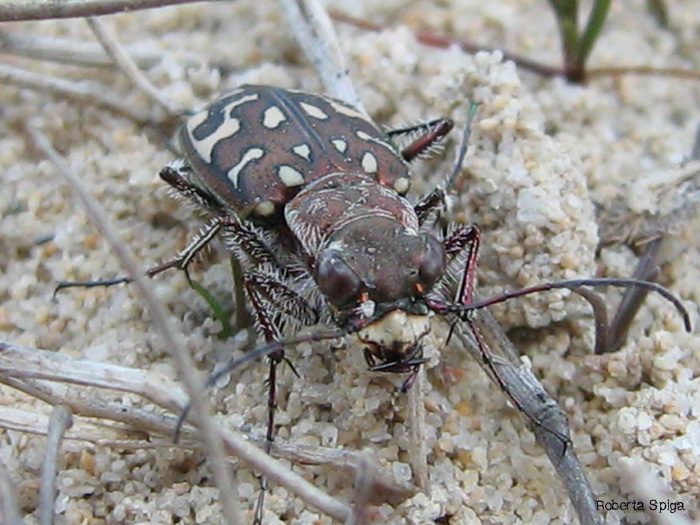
(469,237)
(272,301)
(434,202)
(431,204)
(181,262)
(176,175)
(272,333)
(248,245)
(430,133)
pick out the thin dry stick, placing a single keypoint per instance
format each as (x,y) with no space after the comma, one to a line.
(79,53)
(9,508)
(17,10)
(418,455)
(540,406)
(30,422)
(61,420)
(29,370)
(363,490)
(317,37)
(83,91)
(114,49)
(385,487)
(19,362)
(210,431)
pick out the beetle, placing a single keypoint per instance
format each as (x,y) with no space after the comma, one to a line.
(314,176)
(310,196)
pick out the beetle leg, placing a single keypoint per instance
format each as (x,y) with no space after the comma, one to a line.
(271,294)
(177,174)
(272,301)
(183,259)
(273,304)
(248,244)
(429,134)
(431,204)
(469,238)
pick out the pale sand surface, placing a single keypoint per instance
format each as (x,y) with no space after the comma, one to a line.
(543,156)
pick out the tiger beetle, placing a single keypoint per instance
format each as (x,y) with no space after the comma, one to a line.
(309,195)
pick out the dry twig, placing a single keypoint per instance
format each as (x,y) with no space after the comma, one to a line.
(75,52)
(60,421)
(317,37)
(9,504)
(122,59)
(31,370)
(84,91)
(17,10)
(210,430)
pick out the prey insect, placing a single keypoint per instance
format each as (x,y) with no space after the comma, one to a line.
(310,196)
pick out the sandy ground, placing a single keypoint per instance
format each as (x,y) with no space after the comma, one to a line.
(545,157)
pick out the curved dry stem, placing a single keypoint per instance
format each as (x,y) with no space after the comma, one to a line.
(84,91)
(210,431)
(60,421)
(122,59)
(18,10)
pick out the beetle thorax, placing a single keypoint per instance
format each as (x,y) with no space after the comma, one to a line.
(364,248)
(381,253)
(325,206)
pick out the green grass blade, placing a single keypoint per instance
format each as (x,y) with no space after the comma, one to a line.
(596,21)
(566,13)
(219,313)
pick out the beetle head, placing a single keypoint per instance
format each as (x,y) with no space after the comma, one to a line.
(374,258)
(375,275)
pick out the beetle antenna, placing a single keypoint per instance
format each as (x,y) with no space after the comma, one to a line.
(462,152)
(573,285)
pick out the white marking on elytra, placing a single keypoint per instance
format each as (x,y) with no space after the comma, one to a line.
(340,145)
(273,117)
(347,111)
(196,119)
(303,150)
(402,185)
(369,162)
(289,176)
(313,111)
(376,140)
(228,128)
(265,208)
(249,156)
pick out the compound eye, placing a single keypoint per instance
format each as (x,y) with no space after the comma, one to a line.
(432,264)
(336,280)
